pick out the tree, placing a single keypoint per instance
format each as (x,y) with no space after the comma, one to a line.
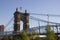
(24,35)
(10,37)
(50,34)
(6,37)
(37,38)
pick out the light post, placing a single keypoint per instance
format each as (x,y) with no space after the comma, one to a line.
(39,26)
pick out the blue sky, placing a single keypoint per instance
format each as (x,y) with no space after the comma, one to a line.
(7,8)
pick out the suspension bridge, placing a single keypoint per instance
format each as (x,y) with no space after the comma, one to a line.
(27,18)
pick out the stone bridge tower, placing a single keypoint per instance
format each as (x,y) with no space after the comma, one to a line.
(18,16)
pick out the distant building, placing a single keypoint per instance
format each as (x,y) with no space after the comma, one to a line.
(1,28)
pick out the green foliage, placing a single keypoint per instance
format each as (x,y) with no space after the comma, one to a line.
(24,36)
(10,37)
(37,38)
(6,37)
(50,34)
